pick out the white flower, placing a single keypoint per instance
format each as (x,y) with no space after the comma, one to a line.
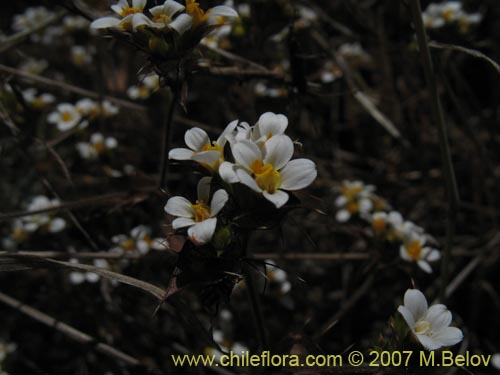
(139,240)
(430,325)
(413,250)
(145,88)
(355,198)
(81,55)
(215,16)
(269,124)
(97,145)
(167,16)
(30,224)
(269,170)
(32,98)
(79,277)
(90,108)
(128,15)
(72,23)
(34,66)
(200,217)
(208,153)
(65,117)
(32,17)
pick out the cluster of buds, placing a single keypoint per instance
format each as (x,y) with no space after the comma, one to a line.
(439,15)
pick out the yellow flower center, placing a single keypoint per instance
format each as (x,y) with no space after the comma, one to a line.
(201,211)
(66,116)
(448,15)
(211,147)
(352,207)
(99,147)
(130,10)
(38,103)
(422,327)
(19,234)
(266,176)
(414,250)
(379,225)
(128,244)
(197,14)
(162,18)
(351,192)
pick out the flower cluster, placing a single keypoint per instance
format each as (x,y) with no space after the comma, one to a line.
(24,227)
(449,13)
(261,160)
(67,116)
(146,87)
(97,145)
(80,277)
(359,199)
(167,26)
(138,240)
(37,101)
(429,325)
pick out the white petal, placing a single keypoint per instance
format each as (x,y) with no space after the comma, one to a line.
(204,189)
(449,336)
(407,316)
(428,343)
(245,153)
(342,216)
(415,302)
(404,254)
(247,180)
(172,7)
(105,23)
(430,255)
(228,173)
(207,157)
(196,138)
(218,201)
(143,247)
(56,225)
(279,198)
(139,3)
(426,267)
(182,222)
(181,23)
(438,316)
(76,277)
(179,206)
(340,201)
(278,151)
(140,19)
(180,154)
(221,11)
(202,232)
(272,124)
(221,141)
(92,277)
(298,174)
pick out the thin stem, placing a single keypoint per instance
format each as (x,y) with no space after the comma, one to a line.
(167,135)
(253,296)
(451,184)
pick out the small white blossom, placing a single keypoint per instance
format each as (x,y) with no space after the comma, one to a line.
(79,277)
(268,170)
(139,240)
(209,154)
(355,198)
(37,101)
(127,13)
(98,145)
(145,88)
(81,55)
(430,325)
(414,250)
(65,117)
(201,217)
